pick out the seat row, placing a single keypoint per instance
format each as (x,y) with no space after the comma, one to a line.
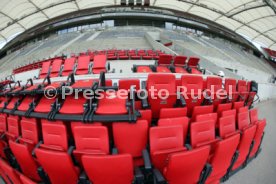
(64,152)
(170,64)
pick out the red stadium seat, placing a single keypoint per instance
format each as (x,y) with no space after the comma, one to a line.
(13,127)
(127,83)
(99,64)
(90,140)
(164,62)
(244,145)
(193,87)
(210,117)
(215,84)
(229,113)
(243,90)
(162,84)
(231,89)
(200,110)
(193,64)
(58,166)
(258,137)
(180,64)
(83,65)
(26,180)
(254,118)
(181,121)
(26,162)
(227,126)
(144,69)
(68,66)
(55,136)
(11,176)
(243,120)
(223,107)
(173,112)
(131,139)
(186,167)
(109,169)
(56,66)
(45,69)
(165,140)
(222,158)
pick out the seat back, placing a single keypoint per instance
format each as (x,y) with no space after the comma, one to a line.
(56,65)
(3,123)
(180,121)
(230,85)
(83,65)
(68,66)
(99,64)
(127,83)
(26,180)
(208,117)
(192,92)
(165,59)
(109,169)
(131,138)
(30,131)
(227,126)
(229,113)
(173,112)
(254,118)
(221,160)
(164,85)
(11,175)
(200,110)
(258,137)
(242,86)
(223,107)
(180,60)
(202,133)
(90,139)
(243,120)
(238,105)
(24,158)
(186,167)
(165,140)
(45,69)
(13,127)
(214,83)
(193,61)
(54,135)
(58,166)
(244,146)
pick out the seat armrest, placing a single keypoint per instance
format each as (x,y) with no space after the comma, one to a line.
(205,173)
(188,146)
(139,177)
(144,100)
(146,158)
(36,146)
(70,150)
(158,177)
(114,151)
(83,179)
(182,101)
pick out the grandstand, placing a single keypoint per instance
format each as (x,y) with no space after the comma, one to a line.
(137,92)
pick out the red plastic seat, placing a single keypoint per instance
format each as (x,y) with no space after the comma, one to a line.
(83,65)
(99,64)
(109,169)
(164,61)
(173,112)
(68,66)
(230,87)
(144,69)
(200,110)
(180,61)
(25,104)
(254,118)
(162,84)
(26,180)
(203,133)
(186,167)
(58,166)
(180,121)
(56,65)
(243,120)
(165,140)
(258,137)
(193,63)
(10,175)
(238,105)
(214,84)
(131,139)
(244,145)
(3,123)
(243,90)
(229,113)
(227,126)
(90,140)
(222,158)
(24,158)
(13,127)
(223,107)
(45,69)
(210,117)
(127,83)
(146,114)
(193,87)
(55,136)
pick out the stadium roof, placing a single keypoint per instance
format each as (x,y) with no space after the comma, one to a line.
(255,19)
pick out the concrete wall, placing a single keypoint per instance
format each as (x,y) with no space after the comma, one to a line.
(267,91)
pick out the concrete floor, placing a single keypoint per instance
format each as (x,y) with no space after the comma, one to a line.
(262,170)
